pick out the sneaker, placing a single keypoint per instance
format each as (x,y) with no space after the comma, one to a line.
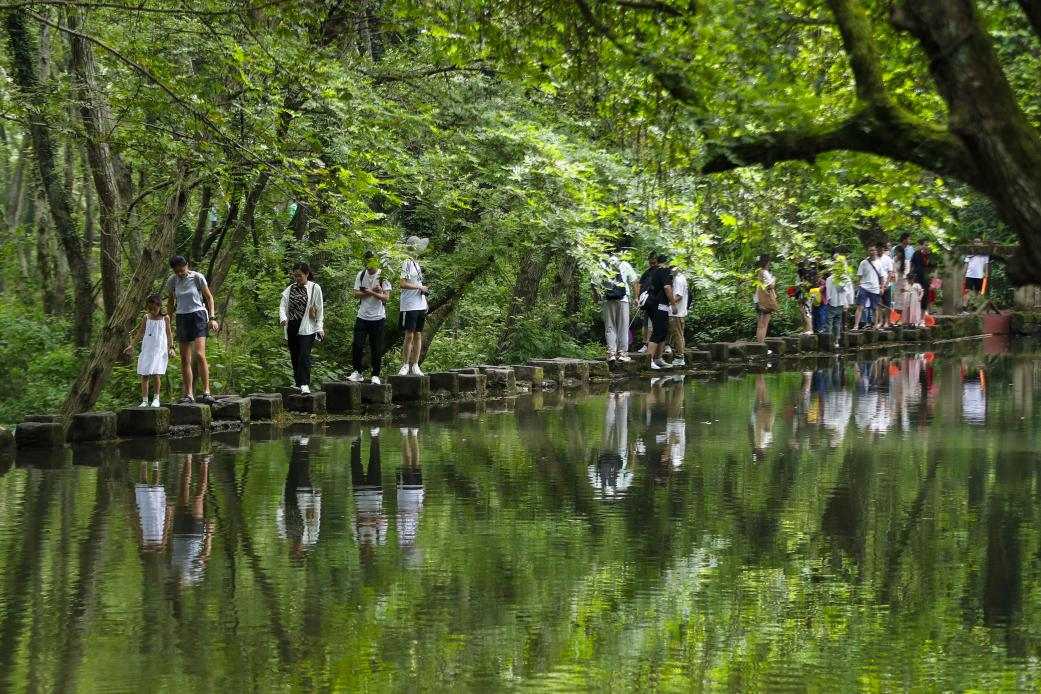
(654,365)
(611,357)
(155,401)
(376,380)
(416,372)
(403,371)
(144,403)
(305,390)
(836,345)
(186,400)
(668,350)
(624,357)
(207,399)
(355,377)
(643,350)
(662,364)
(679,362)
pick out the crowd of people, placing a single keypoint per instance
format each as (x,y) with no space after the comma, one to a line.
(890,285)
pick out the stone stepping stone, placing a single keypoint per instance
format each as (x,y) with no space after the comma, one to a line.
(231,409)
(342,396)
(308,403)
(285,392)
(501,379)
(475,384)
(92,426)
(265,406)
(377,395)
(45,418)
(409,388)
(190,414)
(143,421)
(39,435)
(551,370)
(445,381)
(527,373)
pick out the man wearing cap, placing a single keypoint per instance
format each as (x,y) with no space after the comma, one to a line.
(413,306)
(372,291)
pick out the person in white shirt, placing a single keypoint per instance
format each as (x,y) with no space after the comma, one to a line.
(619,290)
(413,306)
(976,270)
(839,291)
(678,319)
(886,266)
(869,280)
(372,291)
(765,284)
(302,316)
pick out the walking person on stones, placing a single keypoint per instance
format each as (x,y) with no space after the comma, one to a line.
(678,317)
(839,293)
(642,292)
(921,273)
(886,268)
(620,289)
(188,291)
(413,306)
(869,281)
(156,340)
(659,305)
(302,315)
(977,268)
(764,297)
(372,292)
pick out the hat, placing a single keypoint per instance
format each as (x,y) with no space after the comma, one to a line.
(417,244)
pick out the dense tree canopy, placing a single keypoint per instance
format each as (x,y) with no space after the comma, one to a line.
(524,137)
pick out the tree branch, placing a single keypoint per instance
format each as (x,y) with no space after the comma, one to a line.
(886,131)
(859,43)
(183,12)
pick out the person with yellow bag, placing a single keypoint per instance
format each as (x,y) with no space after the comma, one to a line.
(765,297)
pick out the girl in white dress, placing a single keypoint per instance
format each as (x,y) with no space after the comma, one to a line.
(156,339)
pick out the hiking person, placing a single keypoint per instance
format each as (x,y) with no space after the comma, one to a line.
(805,281)
(188,292)
(764,297)
(302,315)
(372,292)
(921,272)
(977,267)
(156,348)
(869,283)
(413,306)
(643,291)
(885,266)
(660,302)
(678,317)
(620,288)
(838,289)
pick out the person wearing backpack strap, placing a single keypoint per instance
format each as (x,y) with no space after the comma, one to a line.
(869,281)
(616,289)
(195,317)
(372,292)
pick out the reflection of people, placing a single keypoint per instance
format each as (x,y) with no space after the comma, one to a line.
(762,419)
(152,512)
(655,452)
(299,516)
(837,403)
(676,427)
(610,472)
(370,525)
(410,492)
(192,535)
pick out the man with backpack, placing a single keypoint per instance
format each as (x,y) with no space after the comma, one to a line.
(614,291)
(372,292)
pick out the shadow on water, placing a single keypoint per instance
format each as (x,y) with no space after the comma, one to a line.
(770,529)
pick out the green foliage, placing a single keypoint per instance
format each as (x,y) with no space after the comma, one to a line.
(38,361)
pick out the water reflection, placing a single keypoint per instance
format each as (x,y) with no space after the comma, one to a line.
(872,522)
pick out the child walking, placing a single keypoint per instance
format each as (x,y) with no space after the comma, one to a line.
(156,348)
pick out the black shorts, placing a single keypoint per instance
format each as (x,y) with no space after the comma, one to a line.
(192,325)
(659,324)
(413,321)
(974,284)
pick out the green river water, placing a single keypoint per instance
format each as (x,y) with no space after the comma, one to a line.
(866,525)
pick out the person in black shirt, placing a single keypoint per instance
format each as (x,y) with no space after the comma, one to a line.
(659,303)
(921,268)
(645,286)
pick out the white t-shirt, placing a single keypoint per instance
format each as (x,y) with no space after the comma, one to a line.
(679,290)
(412,299)
(371,308)
(840,293)
(885,265)
(977,266)
(868,275)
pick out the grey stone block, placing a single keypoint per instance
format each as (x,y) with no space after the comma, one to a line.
(736,351)
(808,343)
(793,343)
(697,357)
(143,421)
(45,418)
(552,370)
(6,440)
(92,426)
(855,338)
(777,345)
(410,388)
(285,392)
(578,370)
(534,375)
(342,396)
(500,380)
(380,395)
(230,409)
(476,384)
(447,381)
(265,406)
(720,351)
(598,370)
(39,435)
(190,415)
(753,349)
(308,403)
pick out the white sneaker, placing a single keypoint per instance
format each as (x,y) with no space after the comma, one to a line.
(416,371)
(679,362)
(374,431)
(155,401)
(355,377)
(622,356)
(305,390)
(660,364)
(403,371)
(144,403)
(668,350)
(643,350)
(376,380)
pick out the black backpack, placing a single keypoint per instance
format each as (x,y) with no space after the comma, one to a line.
(614,289)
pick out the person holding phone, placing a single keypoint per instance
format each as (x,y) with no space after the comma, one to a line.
(301,314)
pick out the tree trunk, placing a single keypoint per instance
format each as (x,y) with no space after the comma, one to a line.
(94,115)
(525,292)
(114,336)
(26,78)
(46,265)
(222,266)
(202,226)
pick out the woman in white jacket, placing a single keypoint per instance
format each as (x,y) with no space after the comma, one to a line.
(301,313)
